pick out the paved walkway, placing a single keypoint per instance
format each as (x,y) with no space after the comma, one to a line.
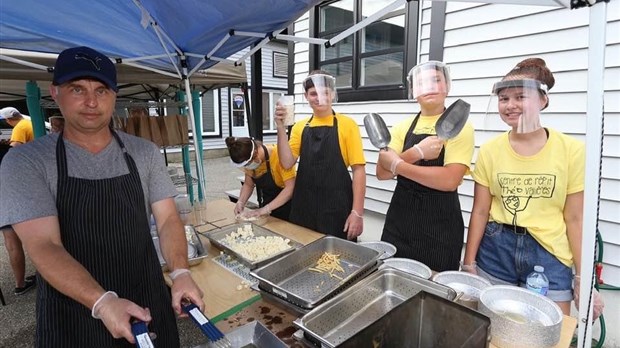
(17,318)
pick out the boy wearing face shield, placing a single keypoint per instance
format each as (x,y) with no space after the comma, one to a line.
(261,165)
(424,220)
(528,198)
(325,198)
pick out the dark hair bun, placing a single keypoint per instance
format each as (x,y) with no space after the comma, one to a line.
(230,141)
(534,68)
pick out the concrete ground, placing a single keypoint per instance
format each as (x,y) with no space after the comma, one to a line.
(17,318)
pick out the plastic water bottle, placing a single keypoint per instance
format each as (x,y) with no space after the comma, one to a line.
(537,281)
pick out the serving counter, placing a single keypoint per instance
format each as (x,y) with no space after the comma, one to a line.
(229,303)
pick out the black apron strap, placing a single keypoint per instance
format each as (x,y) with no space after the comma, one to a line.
(269,190)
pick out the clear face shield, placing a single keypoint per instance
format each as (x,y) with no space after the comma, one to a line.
(432,77)
(518,103)
(324,92)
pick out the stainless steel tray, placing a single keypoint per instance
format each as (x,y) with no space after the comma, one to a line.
(201,252)
(290,278)
(253,334)
(217,238)
(338,319)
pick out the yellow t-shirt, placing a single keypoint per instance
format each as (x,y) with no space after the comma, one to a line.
(349,137)
(530,191)
(22,132)
(459,149)
(279,174)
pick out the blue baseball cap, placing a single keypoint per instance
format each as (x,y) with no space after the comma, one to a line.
(84,62)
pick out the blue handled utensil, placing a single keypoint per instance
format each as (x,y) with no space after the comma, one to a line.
(141,334)
(206,326)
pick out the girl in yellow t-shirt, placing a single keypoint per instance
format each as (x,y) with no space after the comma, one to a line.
(528,198)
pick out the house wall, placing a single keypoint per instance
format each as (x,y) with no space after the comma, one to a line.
(482,43)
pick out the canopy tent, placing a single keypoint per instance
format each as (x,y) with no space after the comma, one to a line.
(174,39)
(134,83)
(160,36)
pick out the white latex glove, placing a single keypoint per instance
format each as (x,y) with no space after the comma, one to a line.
(597,301)
(239,207)
(471,268)
(259,212)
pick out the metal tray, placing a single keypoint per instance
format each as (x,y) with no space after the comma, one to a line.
(253,334)
(298,311)
(217,237)
(201,252)
(338,319)
(290,278)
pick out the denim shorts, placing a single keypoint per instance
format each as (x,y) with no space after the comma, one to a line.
(505,257)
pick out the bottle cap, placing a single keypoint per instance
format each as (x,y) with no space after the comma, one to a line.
(539,268)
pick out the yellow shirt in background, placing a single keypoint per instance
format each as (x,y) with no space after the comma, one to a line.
(279,174)
(530,191)
(22,132)
(349,137)
(459,149)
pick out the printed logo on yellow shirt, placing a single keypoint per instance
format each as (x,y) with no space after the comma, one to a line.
(519,189)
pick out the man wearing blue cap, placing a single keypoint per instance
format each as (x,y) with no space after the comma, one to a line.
(88,234)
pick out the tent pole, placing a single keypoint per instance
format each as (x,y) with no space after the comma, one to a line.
(198,136)
(33,96)
(594,139)
(197,151)
(187,169)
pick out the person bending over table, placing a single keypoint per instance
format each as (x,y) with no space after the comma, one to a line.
(261,166)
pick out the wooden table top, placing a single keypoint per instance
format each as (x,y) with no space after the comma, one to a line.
(219,284)
(222,299)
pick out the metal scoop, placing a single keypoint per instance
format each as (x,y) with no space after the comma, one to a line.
(451,122)
(377,131)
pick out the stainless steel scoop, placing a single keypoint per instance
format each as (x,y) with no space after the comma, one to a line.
(451,122)
(377,131)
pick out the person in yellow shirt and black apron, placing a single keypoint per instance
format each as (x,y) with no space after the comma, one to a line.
(262,169)
(424,220)
(326,199)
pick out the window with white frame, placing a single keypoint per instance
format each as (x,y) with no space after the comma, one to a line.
(270,97)
(210,104)
(370,63)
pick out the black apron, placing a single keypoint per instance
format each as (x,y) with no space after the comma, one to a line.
(423,223)
(104,226)
(267,191)
(323,194)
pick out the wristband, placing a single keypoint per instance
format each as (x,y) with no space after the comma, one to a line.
(395,164)
(177,272)
(356,213)
(419,151)
(94,311)
(471,267)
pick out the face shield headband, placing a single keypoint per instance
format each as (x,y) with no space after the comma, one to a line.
(524,83)
(246,162)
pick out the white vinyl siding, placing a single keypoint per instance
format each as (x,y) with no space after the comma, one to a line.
(482,43)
